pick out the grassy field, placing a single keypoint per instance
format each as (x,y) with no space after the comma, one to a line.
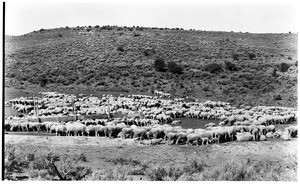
(241,68)
(116,159)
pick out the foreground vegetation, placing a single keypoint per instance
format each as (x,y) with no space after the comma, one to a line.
(50,166)
(240,68)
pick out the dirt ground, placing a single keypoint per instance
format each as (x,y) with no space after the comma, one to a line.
(99,150)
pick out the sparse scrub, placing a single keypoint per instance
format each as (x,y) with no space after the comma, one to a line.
(247,170)
(173,173)
(116,174)
(123,161)
(44,167)
(69,61)
(148,74)
(175,68)
(213,68)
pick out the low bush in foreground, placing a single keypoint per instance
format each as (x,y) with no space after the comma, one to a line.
(65,167)
(44,167)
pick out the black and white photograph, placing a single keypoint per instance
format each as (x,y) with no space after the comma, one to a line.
(133,90)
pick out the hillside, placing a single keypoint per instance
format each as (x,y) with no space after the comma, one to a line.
(111,58)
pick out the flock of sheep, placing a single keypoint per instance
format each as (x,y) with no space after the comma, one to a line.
(153,118)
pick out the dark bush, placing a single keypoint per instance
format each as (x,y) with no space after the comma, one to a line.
(136,34)
(230,66)
(277,97)
(59,35)
(235,56)
(100,83)
(284,67)
(146,53)
(289,58)
(175,68)
(206,88)
(120,48)
(160,65)
(111,75)
(43,80)
(251,56)
(134,77)
(213,68)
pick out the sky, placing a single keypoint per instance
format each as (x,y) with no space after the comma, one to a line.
(256,17)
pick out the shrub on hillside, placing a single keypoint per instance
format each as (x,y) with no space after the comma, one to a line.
(251,56)
(136,34)
(175,68)
(283,67)
(147,74)
(231,66)
(206,88)
(213,68)
(111,75)
(235,56)
(277,97)
(120,48)
(146,52)
(100,83)
(43,80)
(160,65)
(125,73)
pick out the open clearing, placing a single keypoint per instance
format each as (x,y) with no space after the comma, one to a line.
(101,152)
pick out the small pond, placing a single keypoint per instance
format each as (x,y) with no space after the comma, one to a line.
(195,123)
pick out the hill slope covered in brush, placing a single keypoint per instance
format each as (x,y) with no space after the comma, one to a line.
(241,68)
